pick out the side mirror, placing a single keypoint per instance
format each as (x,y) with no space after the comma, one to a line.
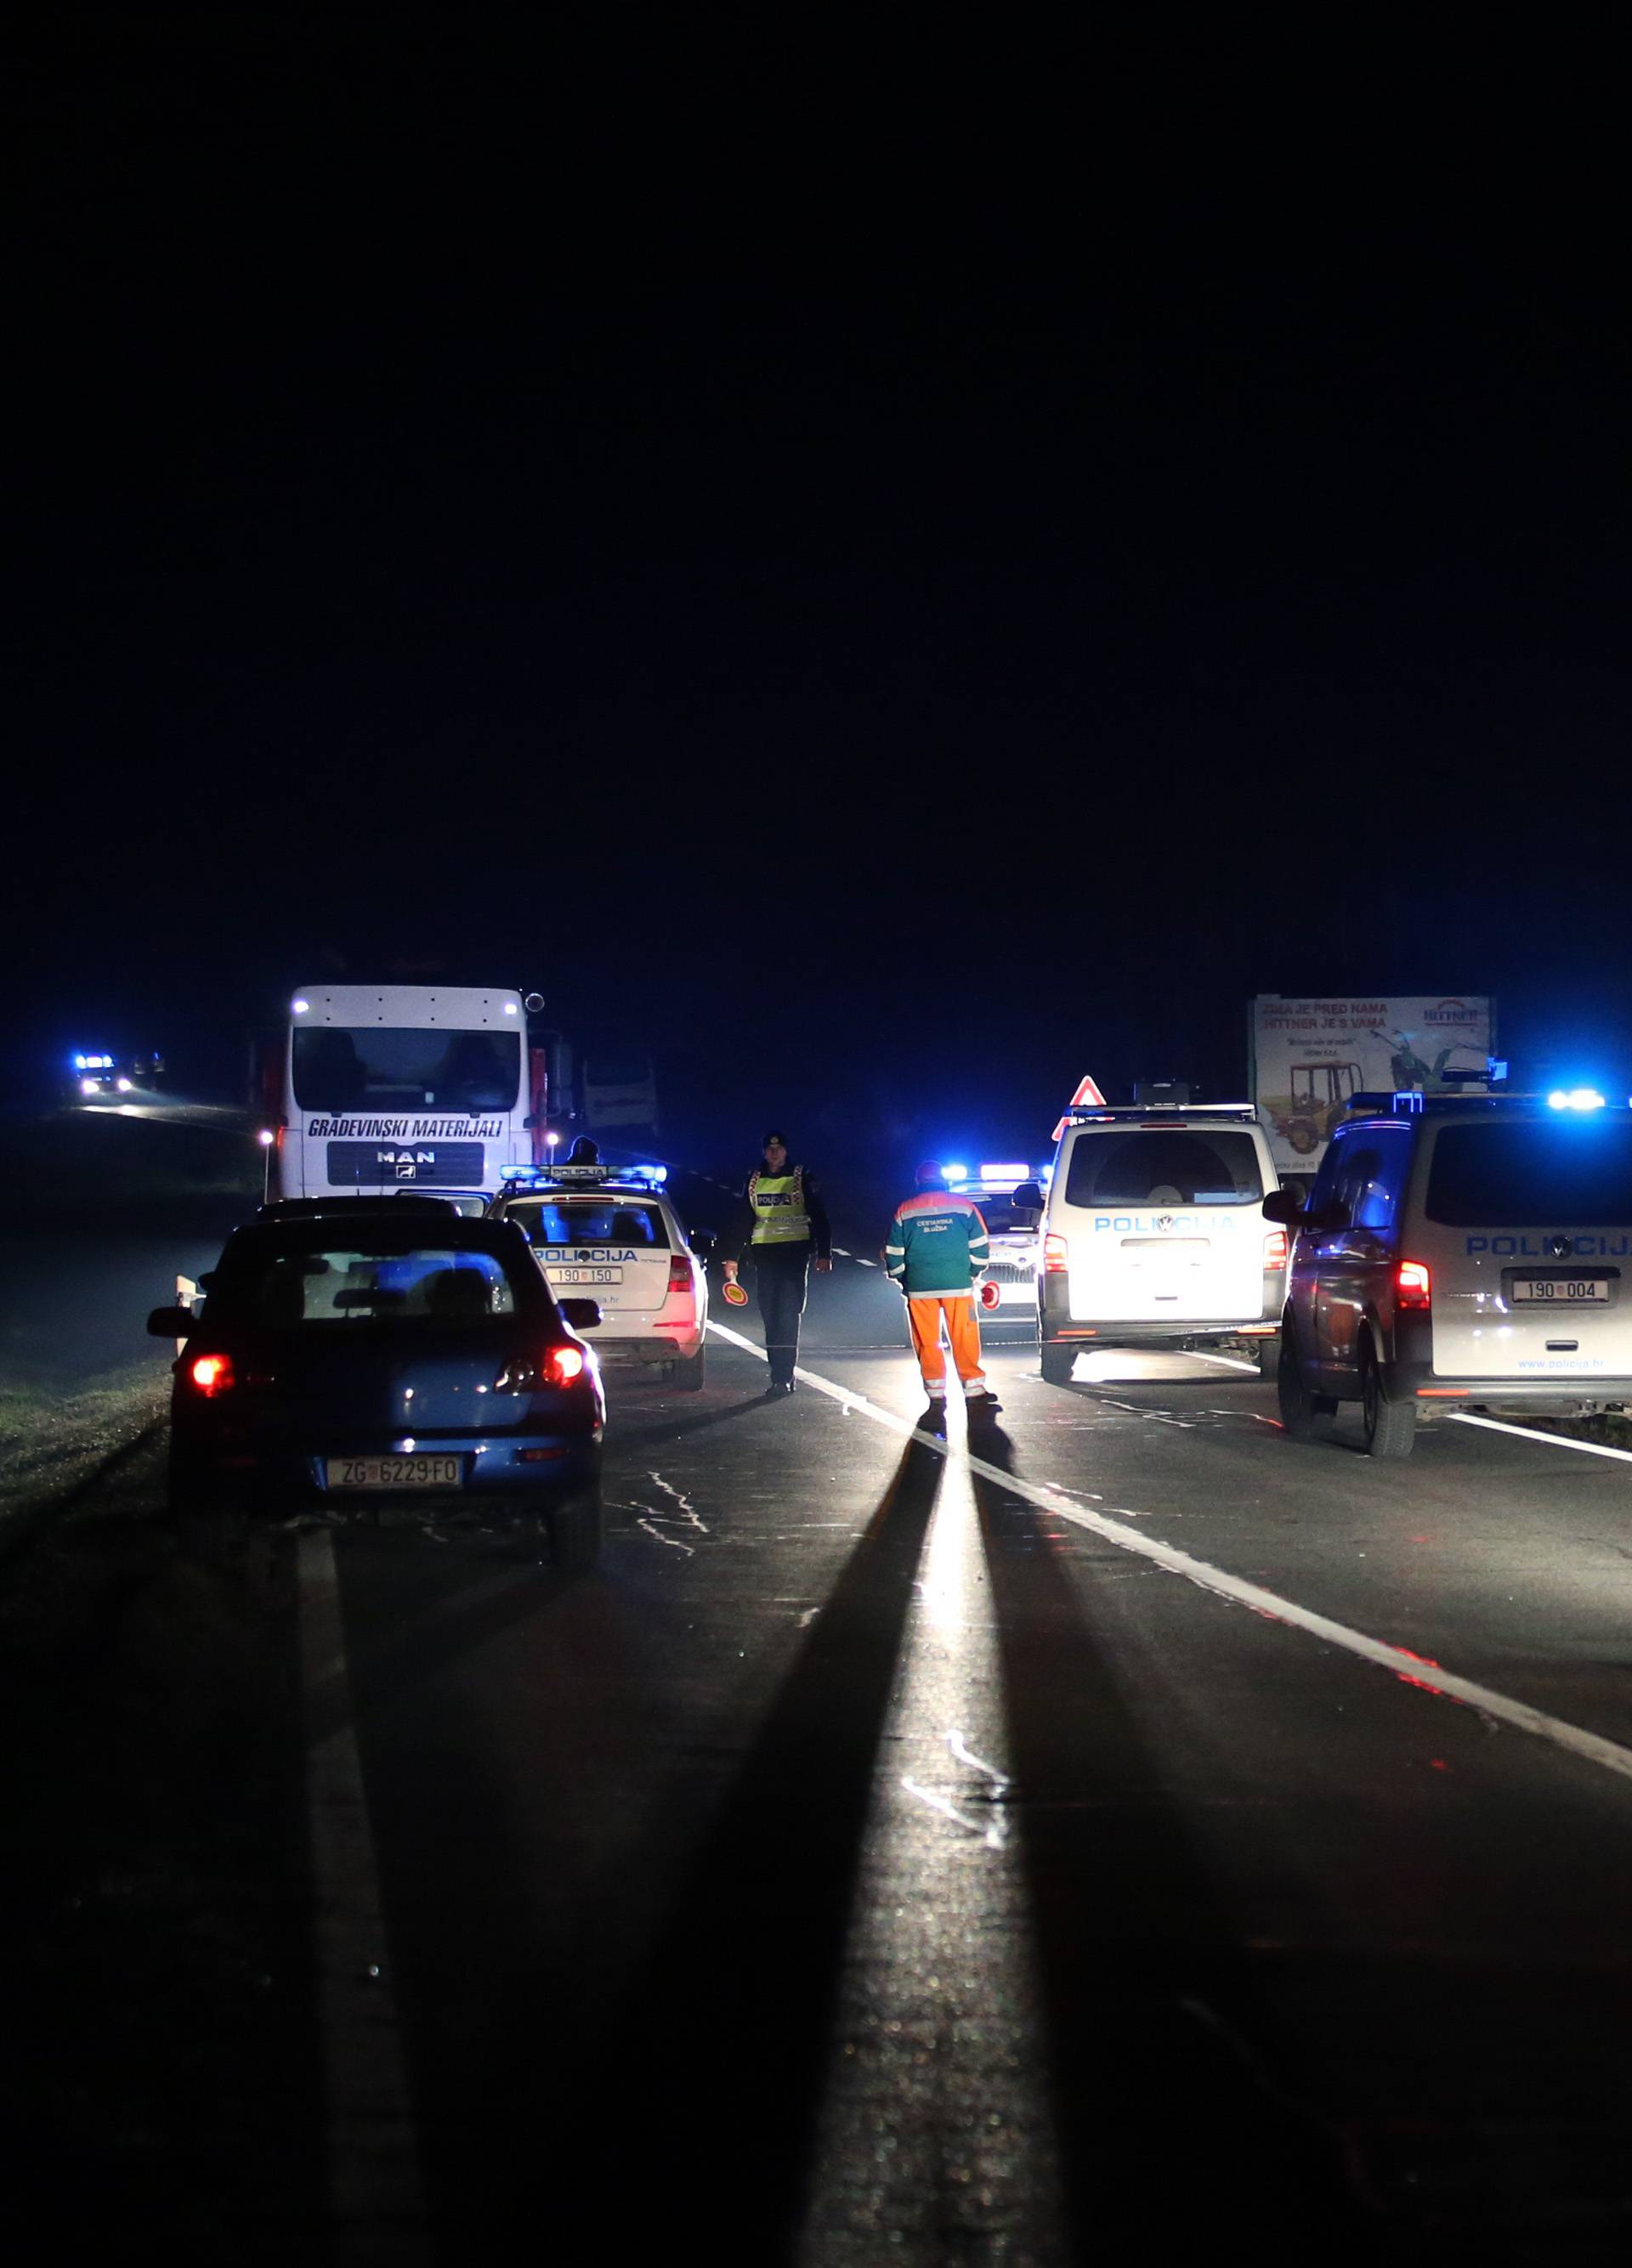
(581,1315)
(703,1239)
(1285,1206)
(172,1323)
(1028,1197)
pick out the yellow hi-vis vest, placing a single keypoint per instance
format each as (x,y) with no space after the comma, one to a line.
(779,1202)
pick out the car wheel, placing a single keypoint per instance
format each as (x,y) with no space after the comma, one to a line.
(1269,1359)
(1306,1417)
(1058,1363)
(575,1531)
(689,1373)
(1391,1426)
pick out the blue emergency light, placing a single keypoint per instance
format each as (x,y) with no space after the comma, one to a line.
(1576,1098)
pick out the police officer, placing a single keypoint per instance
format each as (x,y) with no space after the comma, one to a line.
(782,1222)
(585,1152)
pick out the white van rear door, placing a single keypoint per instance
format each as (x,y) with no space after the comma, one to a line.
(1164,1224)
(1523,1225)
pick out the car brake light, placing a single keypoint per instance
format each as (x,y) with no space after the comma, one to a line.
(1412,1286)
(1274,1251)
(211,1373)
(563,1365)
(679,1273)
(1056,1257)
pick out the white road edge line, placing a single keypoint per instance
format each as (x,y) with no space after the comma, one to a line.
(375,2193)
(1225,1361)
(1546,1440)
(1591,1747)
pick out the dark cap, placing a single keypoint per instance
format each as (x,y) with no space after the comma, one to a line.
(773,1136)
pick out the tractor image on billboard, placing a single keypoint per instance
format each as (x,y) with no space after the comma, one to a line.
(1320,1091)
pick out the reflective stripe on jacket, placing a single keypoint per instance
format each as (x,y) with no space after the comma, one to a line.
(937,1243)
(778,1207)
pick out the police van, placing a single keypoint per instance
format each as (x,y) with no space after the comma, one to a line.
(609,1233)
(1152,1233)
(1460,1251)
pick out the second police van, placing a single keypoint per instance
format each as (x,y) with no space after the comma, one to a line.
(1153,1233)
(1461,1251)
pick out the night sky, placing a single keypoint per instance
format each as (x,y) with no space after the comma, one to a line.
(895,575)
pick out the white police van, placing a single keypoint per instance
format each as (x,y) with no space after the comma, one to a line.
(609,1233)
(1152,1232)
(1460,1251)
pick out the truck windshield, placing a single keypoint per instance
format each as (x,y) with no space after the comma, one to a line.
(1575,1173)
(461,1073)
(1162,1168)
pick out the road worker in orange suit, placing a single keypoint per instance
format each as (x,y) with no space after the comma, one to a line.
(936,1251)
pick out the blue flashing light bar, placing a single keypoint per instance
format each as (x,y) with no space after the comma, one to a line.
(1004,1176)
(585,1176)
(956,1173)
(1576,1098)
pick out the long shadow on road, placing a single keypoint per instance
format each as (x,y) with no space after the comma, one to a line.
(701,2107)
(1162,2131)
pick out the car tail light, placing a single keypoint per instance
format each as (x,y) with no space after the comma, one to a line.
(679,1273)
(1274,1251)
(1056,1256)
(561,1365)
(212,1374)
(1412,1286)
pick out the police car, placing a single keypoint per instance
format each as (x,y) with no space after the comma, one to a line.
(1460,1251)
(609,1233)
(1152,1232)
(1012,1270)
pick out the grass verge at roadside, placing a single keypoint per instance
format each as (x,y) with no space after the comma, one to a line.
(158,2067)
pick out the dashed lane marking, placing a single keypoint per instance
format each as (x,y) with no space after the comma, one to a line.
(375,2194)
(1411,1668)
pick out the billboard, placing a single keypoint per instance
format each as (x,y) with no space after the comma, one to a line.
(1308,1057)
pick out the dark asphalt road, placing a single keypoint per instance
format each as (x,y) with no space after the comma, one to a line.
(867,1864)
(870,1862)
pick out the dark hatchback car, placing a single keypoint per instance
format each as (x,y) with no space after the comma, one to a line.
(374,1358)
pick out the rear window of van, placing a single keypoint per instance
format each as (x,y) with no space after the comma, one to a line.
(1576,1174)
(1162,1168)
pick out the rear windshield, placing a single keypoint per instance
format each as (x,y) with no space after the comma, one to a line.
(1164,1169)
(591,1220)
(335,1287)
(1576,1174)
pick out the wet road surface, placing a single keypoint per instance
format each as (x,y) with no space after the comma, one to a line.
(869,1862)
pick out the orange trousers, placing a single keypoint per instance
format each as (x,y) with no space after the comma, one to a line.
(963,1328)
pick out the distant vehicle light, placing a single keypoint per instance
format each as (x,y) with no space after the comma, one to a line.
(87,1087)
(957,1172)
(300,1007)
(212,1374)
(552,1139)
(122,1085)
(1576,1098)
(79,1062)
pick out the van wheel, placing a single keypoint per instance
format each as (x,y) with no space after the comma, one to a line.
(1306,1417)
(575,1531)
(1058,1362)
(689,1374)
(1391,1426)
